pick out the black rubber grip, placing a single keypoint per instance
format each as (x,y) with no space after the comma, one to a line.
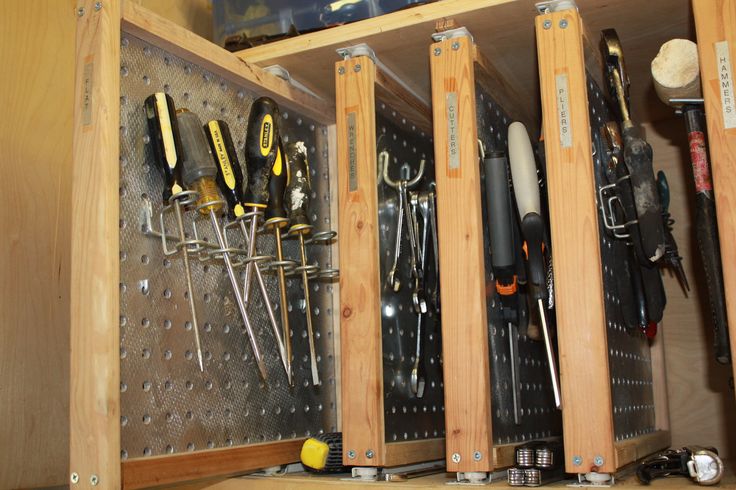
(653,292)
(229,173)
(500,219)
(277,185)
(261,147)
(638,158)
(299,189)
(532,227)
(163,130)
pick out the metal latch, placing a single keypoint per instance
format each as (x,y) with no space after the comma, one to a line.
(452,34)
(549,6)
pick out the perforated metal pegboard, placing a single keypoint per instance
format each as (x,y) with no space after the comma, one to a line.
(629,358)
(406,417)
(539,417)
(167,404)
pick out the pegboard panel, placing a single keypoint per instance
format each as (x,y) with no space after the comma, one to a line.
(539,417)
(629,359)
(168,405)
(406,416)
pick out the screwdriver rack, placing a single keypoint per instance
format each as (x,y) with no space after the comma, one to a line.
(478,387)
(618,369)
(384,424)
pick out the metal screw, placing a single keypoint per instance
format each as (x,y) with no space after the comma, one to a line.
(369,454)
(547,24)
(437,51)
(98,6)
(563,23)
(455,46)
(351,454)
(356,68)
(477,456)
(94,480)
(341,70)
(599,460)
(80,13)
(74,478)
(455,457)
(577,460)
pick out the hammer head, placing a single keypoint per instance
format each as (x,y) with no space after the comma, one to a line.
(616,70)
(676,72)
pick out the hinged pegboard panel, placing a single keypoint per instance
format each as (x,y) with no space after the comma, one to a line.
(167,404)
(629,359)
(406,416)
(538,416)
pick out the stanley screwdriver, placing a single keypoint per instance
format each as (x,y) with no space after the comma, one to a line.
(230,181)
(297,199)
(526,189)
(199,174)
(167,149)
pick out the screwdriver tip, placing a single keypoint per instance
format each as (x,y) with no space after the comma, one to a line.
(199,358)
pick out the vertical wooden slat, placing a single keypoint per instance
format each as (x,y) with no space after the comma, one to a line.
(715,22)
(581,322)
(462,274)
(360,293)
(95,344)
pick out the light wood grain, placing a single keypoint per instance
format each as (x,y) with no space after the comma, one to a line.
(404,453)
(462,273)
(95,305)
(163,470)
(360,285)
(36,150)
(177,40)
(581,323)
(396,95)
(715,21)
(632,450)
(193,15)
(503,31)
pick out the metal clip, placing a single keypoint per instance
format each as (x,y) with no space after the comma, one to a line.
(549,6)
(356,51)
(608,198)
(283,73)
(452,34)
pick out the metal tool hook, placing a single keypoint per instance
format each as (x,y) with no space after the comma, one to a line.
(409,183)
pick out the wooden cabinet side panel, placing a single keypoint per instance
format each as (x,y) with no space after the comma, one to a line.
(581,322)
(462,271)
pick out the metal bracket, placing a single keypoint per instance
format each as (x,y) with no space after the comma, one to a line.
(282,73)
(357,50)
(549,6)
(608,198)
(452,34)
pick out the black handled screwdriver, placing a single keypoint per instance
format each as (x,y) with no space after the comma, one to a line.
(297,199)
(526,190)
(164,133)
(230,180)
(200,172)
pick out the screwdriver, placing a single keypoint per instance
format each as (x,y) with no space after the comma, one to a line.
(230,180)
(526,189)
(275,220)
(199,174)
(297,196)
(167,149)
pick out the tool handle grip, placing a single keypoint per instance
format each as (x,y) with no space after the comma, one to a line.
(299,189)
(198,162)
(261,147)
(523,170)
(229,173)
(707,236)
(638,158)
(532,227)
(279,179)
(163,130)
(500,213)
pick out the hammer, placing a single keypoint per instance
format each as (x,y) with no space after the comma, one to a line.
(676,75)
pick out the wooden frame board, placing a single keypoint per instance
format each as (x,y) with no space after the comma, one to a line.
(715,21)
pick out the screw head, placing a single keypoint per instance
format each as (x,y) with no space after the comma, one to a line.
(547,24)
(351,454)
(563,23)
(577,460)
(356,68)
(80,12)
(74,478)
(93,480)
(598,460)
(437,51)
(369,454)
(455,46)
(341,70)
(477,456)
(98,6)
(455,457)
